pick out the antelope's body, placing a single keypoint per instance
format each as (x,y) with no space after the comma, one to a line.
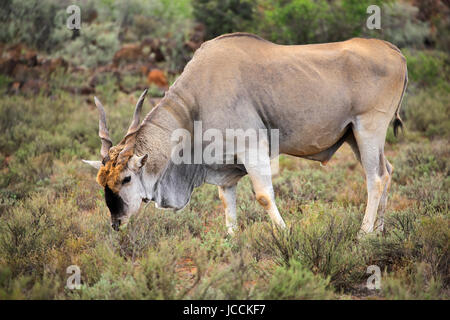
(318,97)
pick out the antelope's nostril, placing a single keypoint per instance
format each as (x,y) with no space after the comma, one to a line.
(115,225)
(146,200)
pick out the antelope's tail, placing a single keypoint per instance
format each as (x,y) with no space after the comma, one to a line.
(398,123)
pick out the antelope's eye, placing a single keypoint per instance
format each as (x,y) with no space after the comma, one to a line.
(126,180)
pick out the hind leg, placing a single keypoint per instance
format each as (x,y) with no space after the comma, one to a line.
(379,226)
(370,142)
(228,197)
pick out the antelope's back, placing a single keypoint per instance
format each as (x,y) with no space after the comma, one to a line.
(313,91)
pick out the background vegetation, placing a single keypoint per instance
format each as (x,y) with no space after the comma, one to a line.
(53,215)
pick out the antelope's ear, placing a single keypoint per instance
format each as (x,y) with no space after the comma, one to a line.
(142,160)
(95,164)
(136,163)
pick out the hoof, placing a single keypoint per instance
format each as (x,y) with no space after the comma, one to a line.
(231,231)
(281,224)
(362,234)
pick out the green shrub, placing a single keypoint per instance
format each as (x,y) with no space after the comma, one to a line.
(156,18)
(298,21)
(431,193)
(417,234)
(169,21)
(221,17)
(19,19)
(393,249)
(428,68)
(154,279)
(225,282)
(23,287)
(31,145)
(308,184)
(421,160)
(413,284)
(4,82)
(22,243)
(433,238)
(31,230)
(148,228)
(322,242)
(95,45)
(296,282)
(429,112)
(96,41)
(399,25)
(442,37)
(307,21)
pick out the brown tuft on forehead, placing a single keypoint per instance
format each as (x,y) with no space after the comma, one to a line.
(109,172)
(115,159)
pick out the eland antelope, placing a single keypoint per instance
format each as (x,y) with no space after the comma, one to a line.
(318,97)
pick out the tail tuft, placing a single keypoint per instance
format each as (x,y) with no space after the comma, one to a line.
(398,123)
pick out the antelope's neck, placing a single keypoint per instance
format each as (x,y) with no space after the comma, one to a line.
(154,136)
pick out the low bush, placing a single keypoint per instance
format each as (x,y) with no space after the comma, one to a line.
(95,45)
(19,19)
(400,25)
(428,111)
(307,21)
(414,235)
(24,287)
(294,281)
(234,280)
(221,17)
(413,283)
(29,143)
(39,235)
(323,241)
(154,279)
(152,226)
(427,68)
(419,160)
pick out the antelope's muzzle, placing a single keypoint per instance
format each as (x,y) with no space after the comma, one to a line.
(116,207)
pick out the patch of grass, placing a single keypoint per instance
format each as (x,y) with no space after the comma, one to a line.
(322,241)
(294,281)
(427,68)
(428,111)
(155,278)
(413,284)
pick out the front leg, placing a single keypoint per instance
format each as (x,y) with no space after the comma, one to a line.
(228,197)
(260,174)
(262,185)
